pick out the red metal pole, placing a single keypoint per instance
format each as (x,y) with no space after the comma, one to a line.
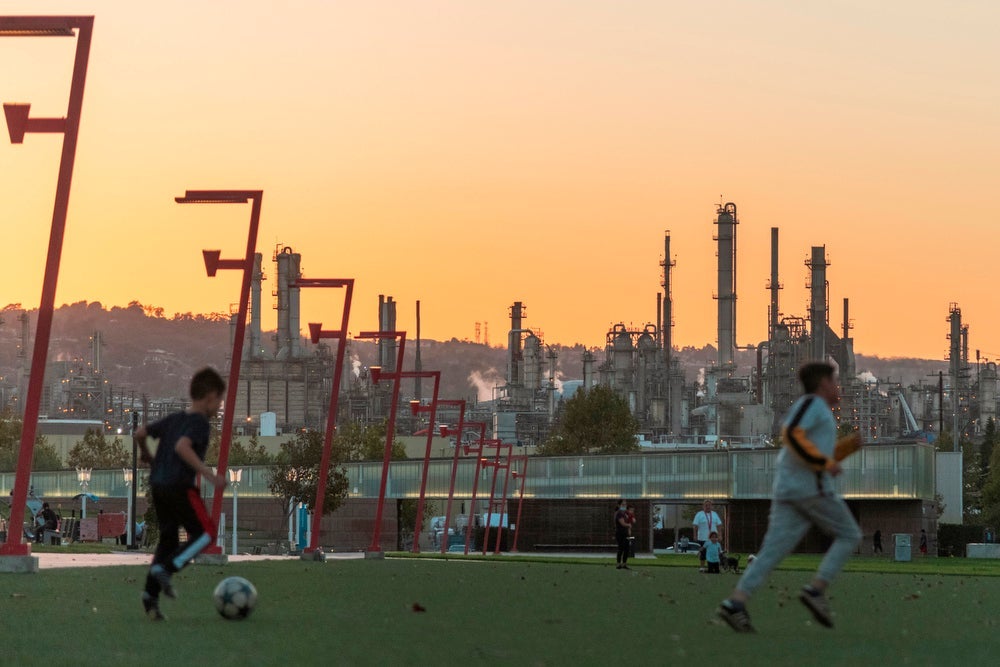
(390,434)
(454,470)
(331,418)
(503,503)
(475,487)
(520,501)
(493,491)
(84,24)
(418,524)
(246,264)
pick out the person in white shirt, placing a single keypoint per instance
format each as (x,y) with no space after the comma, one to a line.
(705,522)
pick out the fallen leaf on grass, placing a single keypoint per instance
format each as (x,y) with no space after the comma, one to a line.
(418,607)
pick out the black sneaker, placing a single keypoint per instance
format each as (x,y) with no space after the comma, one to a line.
(163,579)
(152,607)
(817,604)
(735,614)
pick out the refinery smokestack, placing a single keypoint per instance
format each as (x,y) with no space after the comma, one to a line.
(283,259)
(667,323)
(774,285)
(387,322)
(294,317)
(255,280)
(515,357)
(817,308)
(726,295)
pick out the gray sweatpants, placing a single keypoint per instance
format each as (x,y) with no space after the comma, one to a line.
(788,523)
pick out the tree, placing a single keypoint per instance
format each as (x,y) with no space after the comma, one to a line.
(94,451)
(44,456)
(251,454)
(296,473)
(597,421)
(990,498)
(986,448)
(360,443)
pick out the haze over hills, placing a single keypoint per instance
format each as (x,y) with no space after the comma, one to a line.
(146,351)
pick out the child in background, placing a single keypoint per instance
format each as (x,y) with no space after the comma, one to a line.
(713,553)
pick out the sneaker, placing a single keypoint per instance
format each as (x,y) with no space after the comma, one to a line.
(735,614)
(817,604)
(163,579)
(152,607)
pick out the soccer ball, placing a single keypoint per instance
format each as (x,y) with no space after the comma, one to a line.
(235,598)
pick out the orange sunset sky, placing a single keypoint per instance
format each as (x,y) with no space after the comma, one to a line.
(470,154)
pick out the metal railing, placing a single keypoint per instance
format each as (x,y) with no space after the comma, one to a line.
(902,471)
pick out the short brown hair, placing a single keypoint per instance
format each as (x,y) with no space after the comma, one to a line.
(205,382)
(811,374)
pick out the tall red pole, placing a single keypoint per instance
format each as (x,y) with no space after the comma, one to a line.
(40,25)
(390,430)
(520,500)
(478,449)
(212,264)
(454,469)
(316,333)
(432,409)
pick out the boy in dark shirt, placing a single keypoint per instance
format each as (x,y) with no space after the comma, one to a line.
(180,456)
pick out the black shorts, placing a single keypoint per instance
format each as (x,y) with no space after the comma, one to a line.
(713,568)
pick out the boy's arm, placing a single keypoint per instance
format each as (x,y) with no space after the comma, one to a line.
(187,454)
(140,439)
(847,446)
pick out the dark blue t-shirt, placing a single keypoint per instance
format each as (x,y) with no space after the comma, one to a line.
(168,468)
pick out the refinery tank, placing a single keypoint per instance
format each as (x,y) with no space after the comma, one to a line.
(532,362)
(621,357)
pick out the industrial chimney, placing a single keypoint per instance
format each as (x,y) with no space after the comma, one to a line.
(726,295)
(818,303)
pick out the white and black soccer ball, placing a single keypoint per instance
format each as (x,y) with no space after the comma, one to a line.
(235,598)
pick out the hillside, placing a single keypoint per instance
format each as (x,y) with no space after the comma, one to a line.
(150,353)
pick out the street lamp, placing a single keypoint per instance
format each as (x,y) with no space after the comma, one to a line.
(235,477)
(316,333)
(213,263)
(375,549)
(83,476)
(127,473)
(19,123)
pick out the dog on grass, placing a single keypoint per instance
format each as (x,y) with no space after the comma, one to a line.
(730,564)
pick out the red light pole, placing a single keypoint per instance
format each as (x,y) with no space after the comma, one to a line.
(375,549)
(316,333)
(521,474)
(497,464)
(445,432)
(477,449)
(415,407)
(18,124)
(212,264)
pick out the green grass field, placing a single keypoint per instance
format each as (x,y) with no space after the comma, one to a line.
(501,611)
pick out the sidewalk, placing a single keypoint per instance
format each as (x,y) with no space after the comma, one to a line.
(48,561)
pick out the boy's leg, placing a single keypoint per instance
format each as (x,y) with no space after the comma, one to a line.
(167,519)
(833,517)
(785,529)
(200,529)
